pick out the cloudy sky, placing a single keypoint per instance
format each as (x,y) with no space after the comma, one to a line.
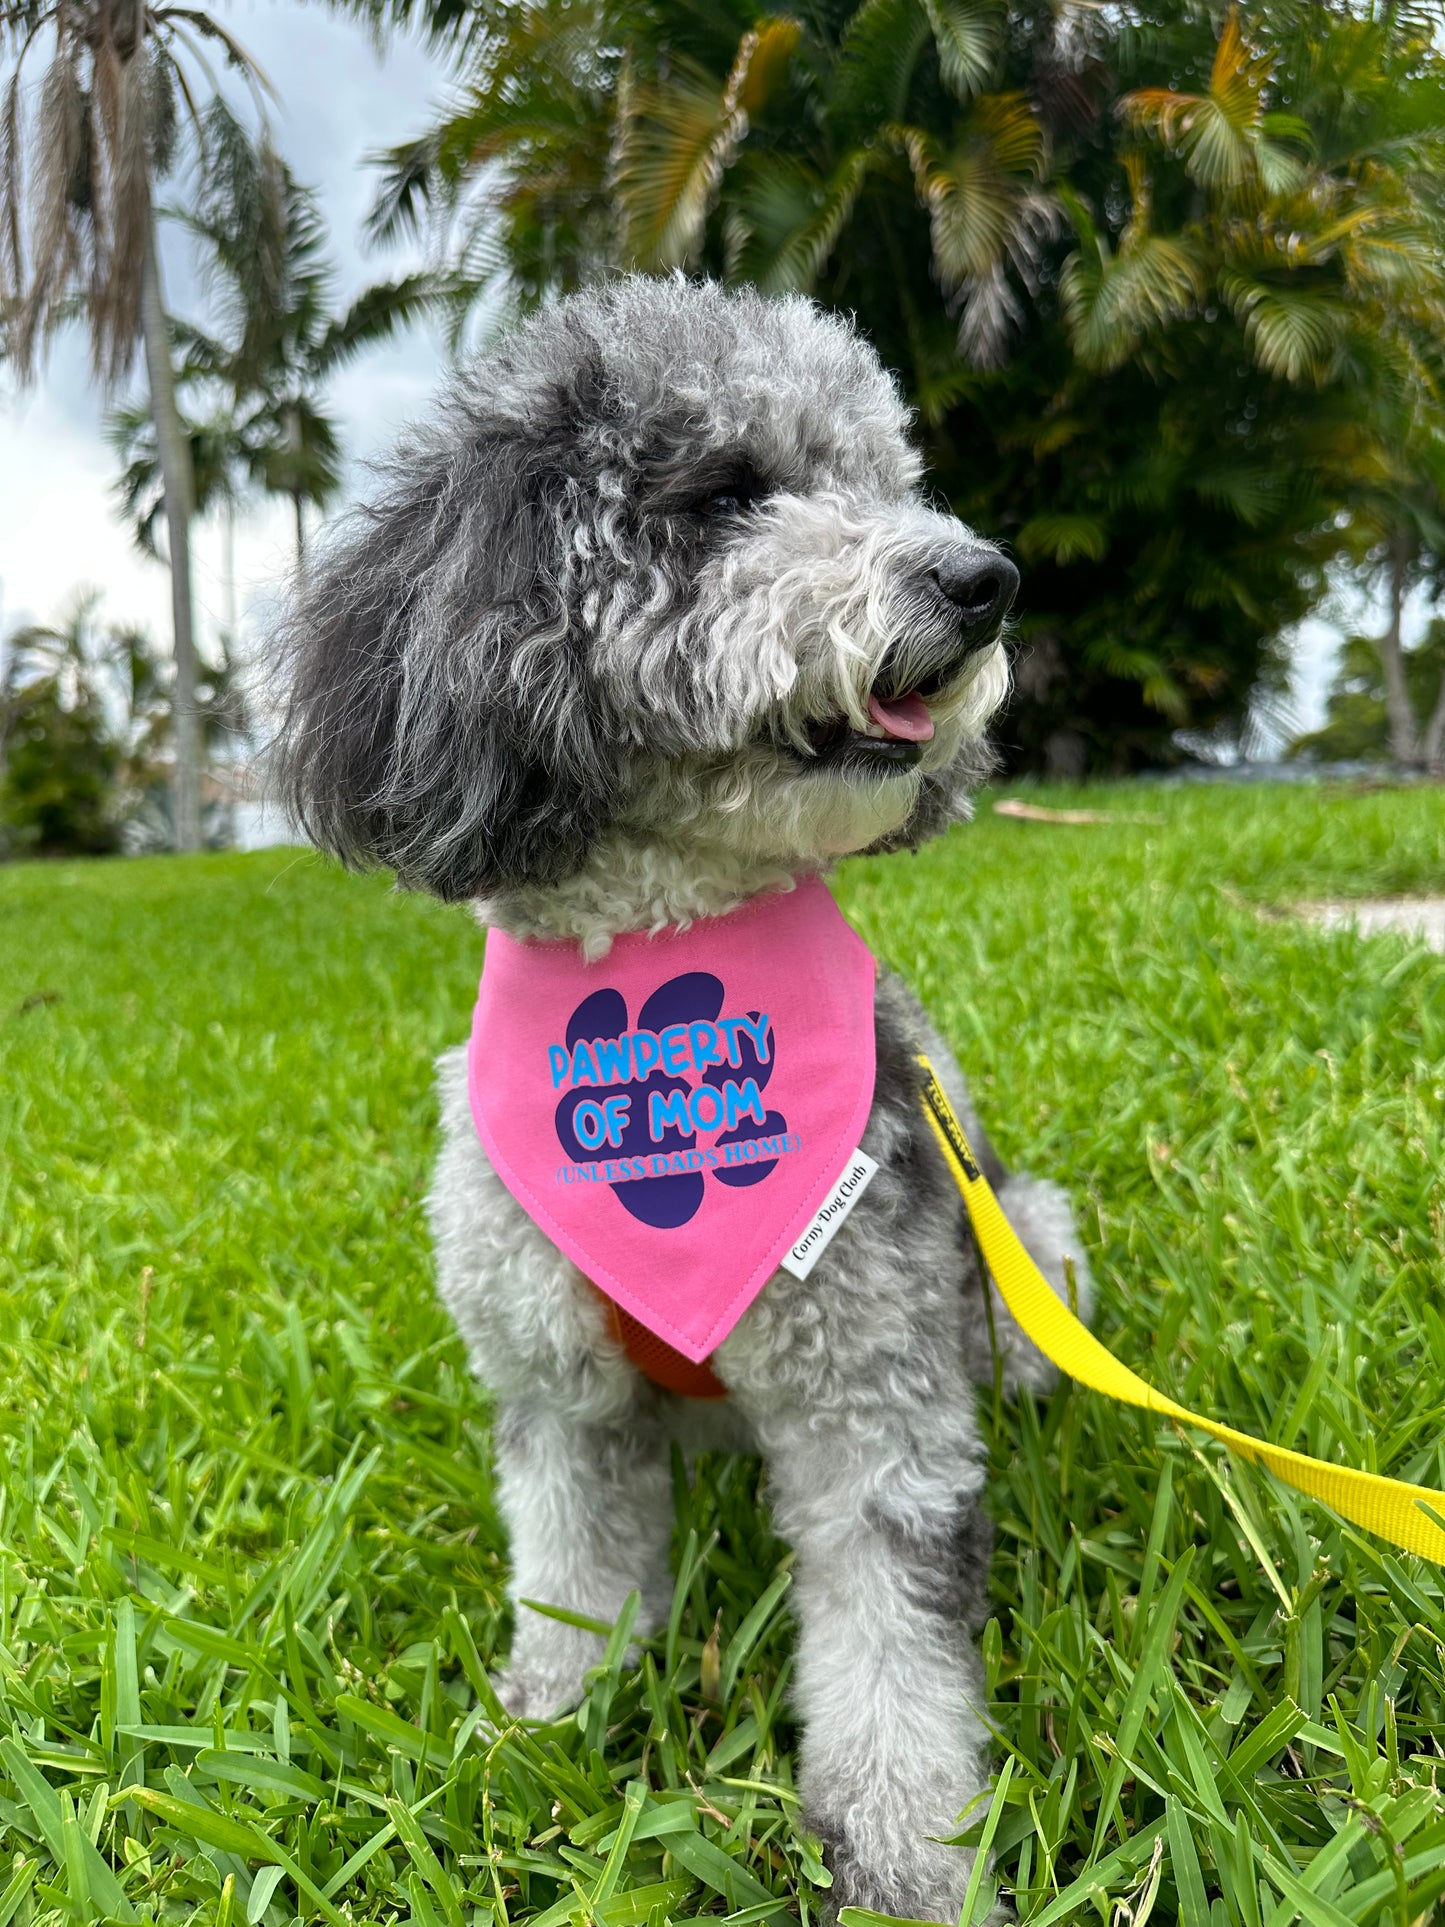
(338,100)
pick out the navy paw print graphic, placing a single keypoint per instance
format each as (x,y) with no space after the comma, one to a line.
(746,1127)
(667,1201)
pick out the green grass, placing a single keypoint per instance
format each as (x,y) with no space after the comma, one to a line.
(251,1577)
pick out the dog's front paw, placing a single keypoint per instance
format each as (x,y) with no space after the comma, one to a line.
(910,1879)
(528,1694)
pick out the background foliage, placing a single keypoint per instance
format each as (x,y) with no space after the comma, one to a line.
(87,734)
(1166,280)
(1357,723)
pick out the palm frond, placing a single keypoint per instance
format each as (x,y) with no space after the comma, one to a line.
(1220,134)
(678,137)
(409,187)
(376,315)
(1111,301)
(218,456)
(12,193)
(60,194)
(975,191)
(1252,491)
(115,294)
(672,149)
(769,57)
(992,309)
(1217,151)
(1006,125)
(990,313)
(969,36)
(263,232)
(237,58)
(969,205)
(1045,434)
(877,58)
(1281,170)
(1236,78)
(453,28)
(785,222)
(941,388)
(295,449)
(139,494)
(162,117)
(1154,675)
(1293,333)
(1063,538)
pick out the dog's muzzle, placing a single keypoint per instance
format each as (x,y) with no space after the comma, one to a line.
(981,586)
(967,596)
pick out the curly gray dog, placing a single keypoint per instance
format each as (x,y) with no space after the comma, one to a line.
(600,659)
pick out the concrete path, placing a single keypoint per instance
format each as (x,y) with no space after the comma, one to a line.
(1422,917)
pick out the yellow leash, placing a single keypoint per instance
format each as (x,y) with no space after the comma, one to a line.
(1388,1507)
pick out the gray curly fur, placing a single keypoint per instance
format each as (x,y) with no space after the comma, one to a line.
(485,664)
(552,669)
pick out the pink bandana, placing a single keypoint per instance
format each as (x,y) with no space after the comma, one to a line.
(673,1116)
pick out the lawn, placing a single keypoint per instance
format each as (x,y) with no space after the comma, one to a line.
(251,1579)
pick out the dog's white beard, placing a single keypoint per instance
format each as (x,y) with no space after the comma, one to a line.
(761,805)
(815,818)
(705,833)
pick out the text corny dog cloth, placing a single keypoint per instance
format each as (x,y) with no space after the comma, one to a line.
(674,1115)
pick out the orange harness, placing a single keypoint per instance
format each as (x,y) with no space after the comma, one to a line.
(657,1360)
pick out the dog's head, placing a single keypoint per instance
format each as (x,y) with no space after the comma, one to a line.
(660,570)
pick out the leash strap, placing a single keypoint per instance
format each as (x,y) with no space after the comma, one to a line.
(1388,1507)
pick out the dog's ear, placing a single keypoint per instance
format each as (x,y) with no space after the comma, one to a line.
(440,718)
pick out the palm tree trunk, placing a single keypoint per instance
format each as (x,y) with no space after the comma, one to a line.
(178,483)
(293,445)
(1404,742)
(229,561)
(1432,744)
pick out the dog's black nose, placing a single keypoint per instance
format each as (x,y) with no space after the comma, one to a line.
(981,586)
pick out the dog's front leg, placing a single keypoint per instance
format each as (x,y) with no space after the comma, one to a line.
(892,1561)
(588,1507)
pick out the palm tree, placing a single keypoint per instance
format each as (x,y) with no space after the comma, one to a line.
(1398,527)
(282,337)
(91,704)
(80,699)
(1164,282)
(76,654)
(218,466)
(261,241)
(78,238)
(741,142)
(1323,232)
(1358,724)
(219,470)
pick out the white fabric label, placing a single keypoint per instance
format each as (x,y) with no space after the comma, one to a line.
(857,1175)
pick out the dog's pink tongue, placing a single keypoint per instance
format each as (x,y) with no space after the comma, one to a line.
(906,717)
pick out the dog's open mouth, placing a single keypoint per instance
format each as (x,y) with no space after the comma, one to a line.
(898,727)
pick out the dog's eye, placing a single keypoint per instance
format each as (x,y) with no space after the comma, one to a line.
(726,502)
